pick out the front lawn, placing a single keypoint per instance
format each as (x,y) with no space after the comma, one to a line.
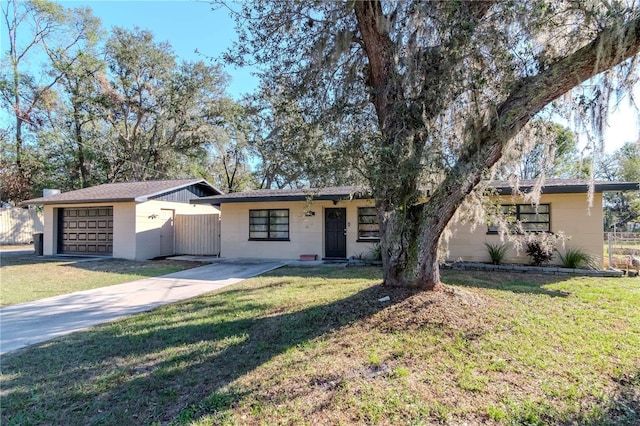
(316,346)
(28,277)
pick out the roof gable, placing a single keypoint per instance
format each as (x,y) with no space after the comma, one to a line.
(127,191)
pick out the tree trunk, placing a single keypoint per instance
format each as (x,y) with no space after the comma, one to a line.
(410,242)
(410,231)
(18,146)
(81,158)
(409,254)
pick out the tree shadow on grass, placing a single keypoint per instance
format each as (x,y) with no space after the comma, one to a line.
(505,281)
(143,269)
(620,408)
(624,407)
(146,268)
(25,259)
(149,368)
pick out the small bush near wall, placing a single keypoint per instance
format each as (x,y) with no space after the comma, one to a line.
(376,253)
(497,252)
(577,258)
(540,247)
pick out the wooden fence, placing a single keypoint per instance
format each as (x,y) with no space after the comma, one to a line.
(197,234)
(619,245)
(18,225)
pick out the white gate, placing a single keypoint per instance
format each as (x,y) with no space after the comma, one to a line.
(197,234)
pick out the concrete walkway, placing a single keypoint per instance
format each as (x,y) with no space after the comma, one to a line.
(33,322)
(16,250)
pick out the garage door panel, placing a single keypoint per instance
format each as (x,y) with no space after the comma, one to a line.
(86,230)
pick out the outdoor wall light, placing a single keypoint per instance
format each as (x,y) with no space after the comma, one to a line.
(310,213)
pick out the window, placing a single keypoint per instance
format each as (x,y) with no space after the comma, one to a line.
(368,227)
(532,218)
(269,224)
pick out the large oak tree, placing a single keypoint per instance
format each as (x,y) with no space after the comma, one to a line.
(447,85)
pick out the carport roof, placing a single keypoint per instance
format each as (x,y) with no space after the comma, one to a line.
(123,192)
(551,186)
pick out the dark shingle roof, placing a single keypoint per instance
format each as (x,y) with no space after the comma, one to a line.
(302,194)
(551,186)
(565,186)
(121,192)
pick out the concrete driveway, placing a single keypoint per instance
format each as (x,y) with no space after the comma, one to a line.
(33,322)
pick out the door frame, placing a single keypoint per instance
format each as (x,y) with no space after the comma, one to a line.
(342,235)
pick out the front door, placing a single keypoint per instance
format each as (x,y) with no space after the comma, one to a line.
(166,232)
(335,233)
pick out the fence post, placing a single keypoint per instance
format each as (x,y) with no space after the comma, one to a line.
(610,251)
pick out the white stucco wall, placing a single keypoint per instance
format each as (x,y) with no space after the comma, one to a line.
(306,233)
(136,231)
(50,231)
(148,218)
(124,230)
(570,214)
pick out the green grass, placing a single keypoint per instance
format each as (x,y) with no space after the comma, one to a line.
(28,278)
(314,346)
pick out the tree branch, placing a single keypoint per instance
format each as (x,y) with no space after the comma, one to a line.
(611,47)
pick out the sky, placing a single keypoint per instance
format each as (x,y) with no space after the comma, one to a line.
(187,25)
(193,25)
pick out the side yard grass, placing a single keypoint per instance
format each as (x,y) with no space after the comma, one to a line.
(317,346)
(27,278)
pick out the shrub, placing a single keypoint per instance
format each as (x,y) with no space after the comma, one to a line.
(497,252)
(576,258)
(376,253)
(540,247)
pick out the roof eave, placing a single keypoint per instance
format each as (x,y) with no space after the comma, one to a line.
(42,202)
(618,187)
(277,198)
(576,188)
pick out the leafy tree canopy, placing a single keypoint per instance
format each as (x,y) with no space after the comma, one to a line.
(432,96)
(89,107)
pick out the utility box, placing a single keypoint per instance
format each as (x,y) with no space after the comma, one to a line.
(38,243)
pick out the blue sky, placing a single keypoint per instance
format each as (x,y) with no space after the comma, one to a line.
(190,25)
(186,25)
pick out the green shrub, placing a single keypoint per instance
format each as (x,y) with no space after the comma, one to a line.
(577,258)
(540,247)
(497,252)
(376,253)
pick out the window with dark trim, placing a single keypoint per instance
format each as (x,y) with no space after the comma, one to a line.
(368,226)
(532,218)
(269,225)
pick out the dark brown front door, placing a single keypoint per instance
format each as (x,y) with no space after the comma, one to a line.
(335,233)
(85,230)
